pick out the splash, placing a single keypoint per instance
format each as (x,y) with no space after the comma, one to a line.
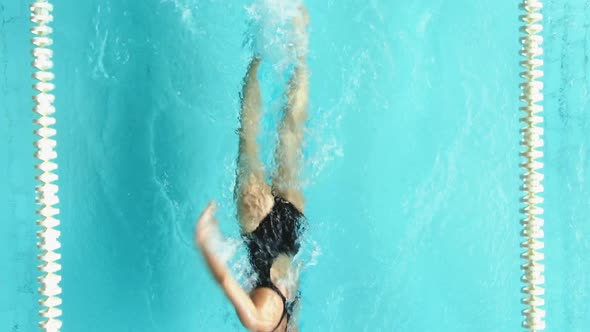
(224,247)
(187,10)
(271,34)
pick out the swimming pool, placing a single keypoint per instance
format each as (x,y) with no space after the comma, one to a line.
(412,177)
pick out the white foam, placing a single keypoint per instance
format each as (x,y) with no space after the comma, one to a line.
(271,32)
(224,248)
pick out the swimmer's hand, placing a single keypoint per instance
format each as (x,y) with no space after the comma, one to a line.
(207,238)
(207,227)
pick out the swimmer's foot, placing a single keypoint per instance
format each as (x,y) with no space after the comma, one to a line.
(302,20)
(254,64)
(300,23)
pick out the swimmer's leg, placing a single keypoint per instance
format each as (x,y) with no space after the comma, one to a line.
(289,152)
(253,193)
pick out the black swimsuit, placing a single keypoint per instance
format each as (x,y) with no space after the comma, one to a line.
(277,233)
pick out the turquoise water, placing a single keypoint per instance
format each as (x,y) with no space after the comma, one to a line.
(411,170)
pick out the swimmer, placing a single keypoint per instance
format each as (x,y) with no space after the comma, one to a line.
(270,216)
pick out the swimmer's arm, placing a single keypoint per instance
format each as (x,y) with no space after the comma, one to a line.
(249,315)
(244,306)
(247,312)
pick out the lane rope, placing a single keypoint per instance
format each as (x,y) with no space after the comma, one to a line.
(48,236)
(532,142)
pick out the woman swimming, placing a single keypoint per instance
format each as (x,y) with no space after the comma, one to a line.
(271,216)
